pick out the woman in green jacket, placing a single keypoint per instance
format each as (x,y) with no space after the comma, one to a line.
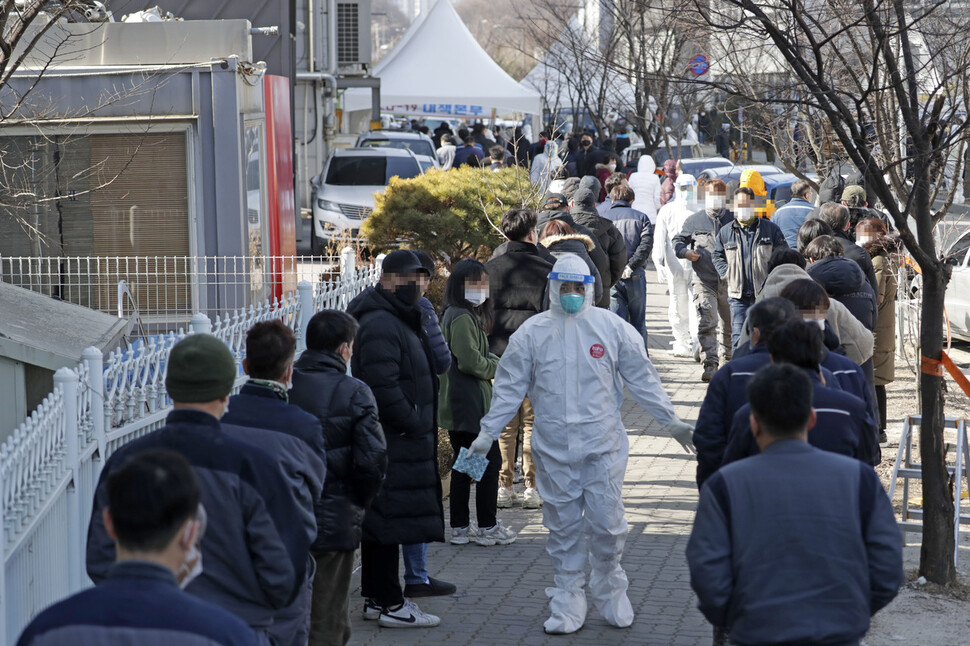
(464,397)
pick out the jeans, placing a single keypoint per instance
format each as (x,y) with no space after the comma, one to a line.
(739,310)
(508,445)
(330,608)
(486,491)
(711,305)
(628,300)
(415,563)
(379,578)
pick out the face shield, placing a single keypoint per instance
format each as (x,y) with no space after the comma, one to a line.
(686,189)
(571,286)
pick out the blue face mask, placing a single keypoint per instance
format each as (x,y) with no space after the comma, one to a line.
(571,303)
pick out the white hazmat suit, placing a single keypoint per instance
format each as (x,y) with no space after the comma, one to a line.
(677,272)
(573,367)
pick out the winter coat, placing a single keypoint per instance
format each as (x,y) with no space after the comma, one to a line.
(439,349)
(392,356)
(845,282)
(884,355)
(446,156)
(356,448)
(855,338)
(637,232)
(790,217)
(466,389)
(468,156)
(586,160)
(844,426)
(860,256)
(646,187)
(289,435)
(699,233)
(742,259)
(255,548)
(582,246)
(517,282)
(608,238)
(603,173)
(598,253)
(667,188)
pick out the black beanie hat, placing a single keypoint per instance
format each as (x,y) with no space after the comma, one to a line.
(200,369)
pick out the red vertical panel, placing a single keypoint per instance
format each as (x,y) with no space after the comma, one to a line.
(279,183)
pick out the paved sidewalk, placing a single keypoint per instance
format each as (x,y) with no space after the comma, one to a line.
(501,590)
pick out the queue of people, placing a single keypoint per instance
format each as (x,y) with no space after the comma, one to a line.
(255,503)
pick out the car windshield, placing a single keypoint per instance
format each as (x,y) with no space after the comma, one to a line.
(370,171)
(417,146)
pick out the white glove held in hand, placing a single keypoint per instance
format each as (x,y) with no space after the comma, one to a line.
(627,272)
(683,433)
(661,274)
(482,444)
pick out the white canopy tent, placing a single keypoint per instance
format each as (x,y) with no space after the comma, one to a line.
(439,69)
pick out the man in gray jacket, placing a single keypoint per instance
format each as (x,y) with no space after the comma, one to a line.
(795,545)
(254,554)
(695,242)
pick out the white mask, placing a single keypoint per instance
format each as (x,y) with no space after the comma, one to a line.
(476,296)
(744,214)
(715,202)
(191,568)
(861,240)
(612,167)
(819,322)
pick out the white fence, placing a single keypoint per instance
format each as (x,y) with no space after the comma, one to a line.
(50,466)
(162,293)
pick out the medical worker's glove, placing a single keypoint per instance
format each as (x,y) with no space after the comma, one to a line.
(683,433)
(482,444)
(627,272)
(661,274)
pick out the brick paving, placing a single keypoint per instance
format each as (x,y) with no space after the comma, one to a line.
(501,589)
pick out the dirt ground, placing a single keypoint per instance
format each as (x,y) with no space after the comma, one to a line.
(922,613)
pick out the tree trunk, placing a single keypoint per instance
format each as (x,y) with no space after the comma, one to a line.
(936,550)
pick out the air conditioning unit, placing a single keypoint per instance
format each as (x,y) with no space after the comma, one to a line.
(353,37)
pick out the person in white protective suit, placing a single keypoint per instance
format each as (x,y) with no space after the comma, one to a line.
(677,272)
(573,361)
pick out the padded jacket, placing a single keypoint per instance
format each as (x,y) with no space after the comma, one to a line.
(356,449)
(844,281)
(517,282)
(743,261)
(636,230)
(609,239)
(392,356)
(255,547)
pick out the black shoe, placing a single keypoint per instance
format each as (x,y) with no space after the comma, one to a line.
(433,588)
(883,439)
(709,370)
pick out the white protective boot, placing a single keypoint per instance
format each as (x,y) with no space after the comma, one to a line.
(567,604)
(607,586)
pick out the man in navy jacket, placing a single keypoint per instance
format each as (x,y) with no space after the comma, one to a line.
(795,545)
(154,518)
(844,424)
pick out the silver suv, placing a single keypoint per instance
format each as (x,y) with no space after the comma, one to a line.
(418,143)
(343,193)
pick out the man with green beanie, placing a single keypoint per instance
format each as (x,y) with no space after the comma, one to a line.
(254,554)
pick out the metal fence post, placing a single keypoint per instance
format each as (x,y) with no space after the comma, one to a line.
(201,324)
(66,380)
(95,363)
(348,263)
(305,290)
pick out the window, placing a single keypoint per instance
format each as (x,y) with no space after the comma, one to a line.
(417,146)
(370,171)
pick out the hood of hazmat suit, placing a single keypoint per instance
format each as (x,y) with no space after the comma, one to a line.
(670,221)
(573,366)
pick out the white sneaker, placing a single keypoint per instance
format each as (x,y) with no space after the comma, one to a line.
(531,499)
(459,536)
(372,611)
(407,616)
(506,497)
(497,535)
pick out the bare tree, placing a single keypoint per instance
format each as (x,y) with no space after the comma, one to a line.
(888,80)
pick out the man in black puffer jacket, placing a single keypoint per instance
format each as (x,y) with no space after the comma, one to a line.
(607,237)
(356,464)
(394,359)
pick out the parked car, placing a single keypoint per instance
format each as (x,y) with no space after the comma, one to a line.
(957,298)
(343,194)
(418,143)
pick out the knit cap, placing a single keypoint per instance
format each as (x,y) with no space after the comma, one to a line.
(200,369)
